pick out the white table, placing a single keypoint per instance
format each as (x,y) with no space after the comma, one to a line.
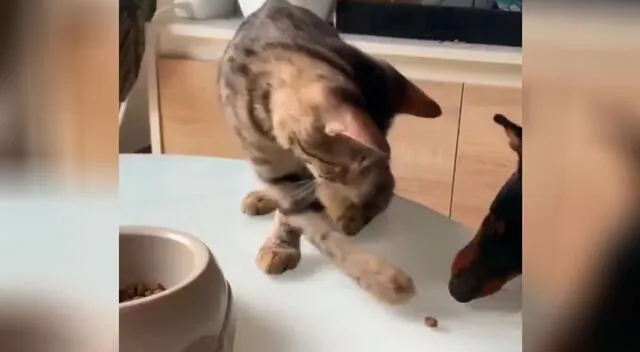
(315,307)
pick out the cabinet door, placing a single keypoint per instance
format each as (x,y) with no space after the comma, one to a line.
(191,119)
(484,160)
(423,150)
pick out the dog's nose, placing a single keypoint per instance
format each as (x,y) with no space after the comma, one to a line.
(464,288)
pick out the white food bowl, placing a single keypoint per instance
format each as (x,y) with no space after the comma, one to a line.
(193,314)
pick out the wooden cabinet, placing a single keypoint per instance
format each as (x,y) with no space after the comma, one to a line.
(426,152)
(484,160)
(190,115)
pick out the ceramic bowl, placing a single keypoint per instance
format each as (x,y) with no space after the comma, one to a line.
(193,314)
(322,8)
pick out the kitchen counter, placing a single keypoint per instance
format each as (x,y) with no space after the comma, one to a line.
(316,307)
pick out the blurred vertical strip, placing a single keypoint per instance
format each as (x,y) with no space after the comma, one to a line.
(82,45)
(581,190)
(59,92)
(607,319)
(58,175)
(13,138)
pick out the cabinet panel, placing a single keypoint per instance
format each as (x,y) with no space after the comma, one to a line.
(484,160)
(423,150)
(191,116)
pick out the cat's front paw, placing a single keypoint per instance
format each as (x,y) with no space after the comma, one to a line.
(351,221)
(383,280)
(258,203)
(277,259)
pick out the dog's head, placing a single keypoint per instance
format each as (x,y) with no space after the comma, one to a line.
(494,256)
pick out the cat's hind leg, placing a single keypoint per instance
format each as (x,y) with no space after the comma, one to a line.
(258,203)
(281,250)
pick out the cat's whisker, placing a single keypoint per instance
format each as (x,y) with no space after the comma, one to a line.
(307,187)
(304,190)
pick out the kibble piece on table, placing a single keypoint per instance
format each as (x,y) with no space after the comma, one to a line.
(137,291)
(431,322)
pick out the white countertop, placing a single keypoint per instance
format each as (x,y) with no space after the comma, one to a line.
(315,307)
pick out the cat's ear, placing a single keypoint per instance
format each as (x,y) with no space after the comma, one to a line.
(417,103)
(357,125)
(343,116)
(513,131)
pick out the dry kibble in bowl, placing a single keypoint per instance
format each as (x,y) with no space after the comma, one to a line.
(138,290)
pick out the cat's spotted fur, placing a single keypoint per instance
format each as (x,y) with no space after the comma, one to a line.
(312,113)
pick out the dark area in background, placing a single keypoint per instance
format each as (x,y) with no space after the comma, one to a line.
(14,136)
(441,23)
(144,150)
(610,323)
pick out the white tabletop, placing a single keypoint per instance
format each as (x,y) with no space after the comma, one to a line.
(315,307)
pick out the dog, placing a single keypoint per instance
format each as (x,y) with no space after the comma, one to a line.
(494,256)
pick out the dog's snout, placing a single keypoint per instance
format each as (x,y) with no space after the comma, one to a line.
(463,288)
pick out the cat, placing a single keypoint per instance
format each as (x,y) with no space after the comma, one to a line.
(494,256)
(312,113)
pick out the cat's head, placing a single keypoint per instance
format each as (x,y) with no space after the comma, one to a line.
(356,123)
(494,256)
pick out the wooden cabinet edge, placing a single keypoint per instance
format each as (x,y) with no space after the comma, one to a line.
(155,123)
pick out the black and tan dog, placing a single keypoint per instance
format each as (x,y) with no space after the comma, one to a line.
(494,256)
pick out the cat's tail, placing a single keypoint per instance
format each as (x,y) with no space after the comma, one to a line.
(383,280)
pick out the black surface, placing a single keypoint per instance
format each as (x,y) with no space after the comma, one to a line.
(469,25)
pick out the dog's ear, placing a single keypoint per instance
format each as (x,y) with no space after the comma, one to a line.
(513,131)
